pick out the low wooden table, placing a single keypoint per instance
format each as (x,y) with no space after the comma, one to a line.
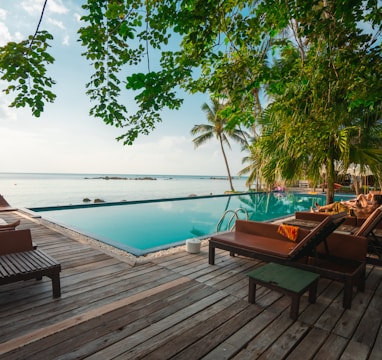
(286,280)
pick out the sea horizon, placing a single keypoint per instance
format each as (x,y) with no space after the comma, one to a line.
(113,173)
(38,189)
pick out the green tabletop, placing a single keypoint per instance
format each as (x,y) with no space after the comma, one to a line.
(285,277)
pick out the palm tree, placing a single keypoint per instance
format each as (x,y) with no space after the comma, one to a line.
(216,127)
(253,169)
(325,106)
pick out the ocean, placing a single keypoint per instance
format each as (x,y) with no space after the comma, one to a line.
(27,190)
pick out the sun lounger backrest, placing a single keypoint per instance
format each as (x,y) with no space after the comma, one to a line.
(15,241)
(345,246)
(312,216)
(370,223)
(319,234)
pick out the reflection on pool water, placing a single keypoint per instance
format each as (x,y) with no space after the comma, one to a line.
(147,226)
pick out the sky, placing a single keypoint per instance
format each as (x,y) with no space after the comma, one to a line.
(66,139)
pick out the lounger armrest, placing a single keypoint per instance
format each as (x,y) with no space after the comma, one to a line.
(9,226)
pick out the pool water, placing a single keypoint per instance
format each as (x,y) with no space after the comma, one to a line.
(147,226)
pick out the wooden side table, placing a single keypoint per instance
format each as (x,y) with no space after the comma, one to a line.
(287,280)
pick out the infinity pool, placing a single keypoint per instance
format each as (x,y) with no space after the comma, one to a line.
(142,227)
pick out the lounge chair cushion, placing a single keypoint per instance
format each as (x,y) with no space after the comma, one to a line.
(262,244)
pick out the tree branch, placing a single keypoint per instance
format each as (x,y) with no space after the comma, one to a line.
(38,25)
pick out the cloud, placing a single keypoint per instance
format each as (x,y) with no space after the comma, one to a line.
(5,35)
(65,40)
(32,6)
(176,155)
(77,16)
(171,142)
(57,23)
(57,7)
(6,113)
(3,14)
(35,6)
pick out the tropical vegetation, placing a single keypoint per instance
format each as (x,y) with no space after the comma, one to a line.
(216,127)
(303,75)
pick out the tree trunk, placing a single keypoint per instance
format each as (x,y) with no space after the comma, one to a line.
(226,164)
(356,184)
(330,181)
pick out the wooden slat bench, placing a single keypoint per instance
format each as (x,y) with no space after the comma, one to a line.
(19,260)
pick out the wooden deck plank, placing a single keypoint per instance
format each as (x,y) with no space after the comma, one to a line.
(286,342)
(309,345)
(102,331)
(332,348)
(89,299)
(229,305)
(332,300)
(75,321)
(155,345)
(351,318)
(281,321)
(367,330)
(176,306)
(376,351)
(205,344)
(120,349)
(239,340)
(355,351)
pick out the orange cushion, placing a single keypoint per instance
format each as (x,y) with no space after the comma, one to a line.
(289,231)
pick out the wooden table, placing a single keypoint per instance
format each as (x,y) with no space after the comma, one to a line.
(286,280)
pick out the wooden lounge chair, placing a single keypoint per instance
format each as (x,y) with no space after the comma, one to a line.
(268,244)
(4,226)
(367,229)
(319,250)
(19,260)
(4,206)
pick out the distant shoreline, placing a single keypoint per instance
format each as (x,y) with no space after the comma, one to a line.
(120,178)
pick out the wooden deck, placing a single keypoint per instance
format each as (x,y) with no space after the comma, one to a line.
(176,307)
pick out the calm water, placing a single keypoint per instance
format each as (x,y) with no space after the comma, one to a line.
(142,227)
(32,190)
(149,226)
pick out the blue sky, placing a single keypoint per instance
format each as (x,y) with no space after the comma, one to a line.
(66,139)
